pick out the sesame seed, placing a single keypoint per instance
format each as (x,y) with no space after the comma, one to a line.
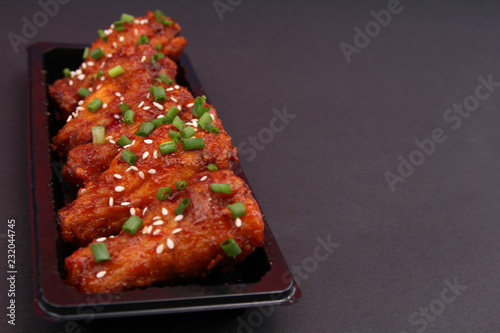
(84,65)
(111,202)
(170,243)
(144,211)
(160,248)
(81,77)
(115,45)
(109,137)
(156,218)
(99,87)
(108,31)
(125,203)
(70,82)
(80,108)
(90,89)
(136,32)
(152,171)
(203,178)
(104,105)
(78,71)
(141,174)
(83,190)
(148,141)
(164,211)
(118,94)
(144,230)
(156,232)
(133,168)
(117,176)
(102,66)
(116,116)
(119,188)
(155,154)
(158,105)
(146,108)
(160,116)
(173,99)
(102,78)
(143,58)
(122,98)
(112,141)
(190,105)
(176,86)
(179,107)
(100,240)
(90,63)
(69,118)
(176,231)
(132,211)
(100,274)
(121,38)
(80,103)
(150,228)
(127,146)
(179,217)
(145,155)
(159,222)
(140,104)
(237,222)
(133,142)
(211,115)
(170,89)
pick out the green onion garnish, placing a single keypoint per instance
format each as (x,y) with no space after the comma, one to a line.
(212,129)
(157,122)
(132,225)
(237,209)
(167,147)
(127,18)
(145,129)
(198,108)
(159,55)
(84,92)
(100,251)
(115,71)
(124,107)
(142,40)
(153,62)
(168,81)
(158,47)
(181,184)
(163,193)
(101,34)
(212,167)
(159,93)
(169,118)
(221,188)
(98,74)
(98,135)
(160,17)
(178,123)
(187,132)
(180,209)
(124,141)
(128,117)
(152,89)
(118,25)
(86,53)
(230,247)
(174,135)
(67,72)
(204,120)
(191,144)
(97,53)
(129,157)
(94,105)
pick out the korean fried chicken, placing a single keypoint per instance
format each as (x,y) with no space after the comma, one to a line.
(170,247)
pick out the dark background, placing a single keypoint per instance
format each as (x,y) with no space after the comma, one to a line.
(324,173)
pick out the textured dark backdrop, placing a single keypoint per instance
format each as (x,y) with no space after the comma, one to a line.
(323,174)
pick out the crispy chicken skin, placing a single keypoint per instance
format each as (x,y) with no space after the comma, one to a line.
(65,91)
(91,215)
(174,250)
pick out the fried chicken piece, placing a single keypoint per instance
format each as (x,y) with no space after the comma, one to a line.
(131,87)
(105,204)
(168,247)
(65,91)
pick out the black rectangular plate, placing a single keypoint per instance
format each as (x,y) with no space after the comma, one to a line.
(262,279)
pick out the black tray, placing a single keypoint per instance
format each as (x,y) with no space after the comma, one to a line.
(262,279)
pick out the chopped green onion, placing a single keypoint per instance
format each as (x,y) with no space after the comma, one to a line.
(204,120)
(168,81)
(212,167)
(163,193)
(160,17)
(97,53)
(118,25)
(98,74)
(115,71)
(123,141)
(124,107)
(129,157)
(159,55)
(101,34)
(198,108)
(212,129)
(98,135)
(157,122)
(191,144)
(187,132)
(94,105)
(159,94)
(142,40)
(231,248)
(237,209)
(152,89)
(67,72)
(132,225)
(169,118)
(174,135)
(127,18)
(221,188)
(180,209)
(145,129)
(86,53)
(128,117)
(158,47)
(178,123)
(100,251)
(167,147)
(181,184)
(84,92)
(153,62)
